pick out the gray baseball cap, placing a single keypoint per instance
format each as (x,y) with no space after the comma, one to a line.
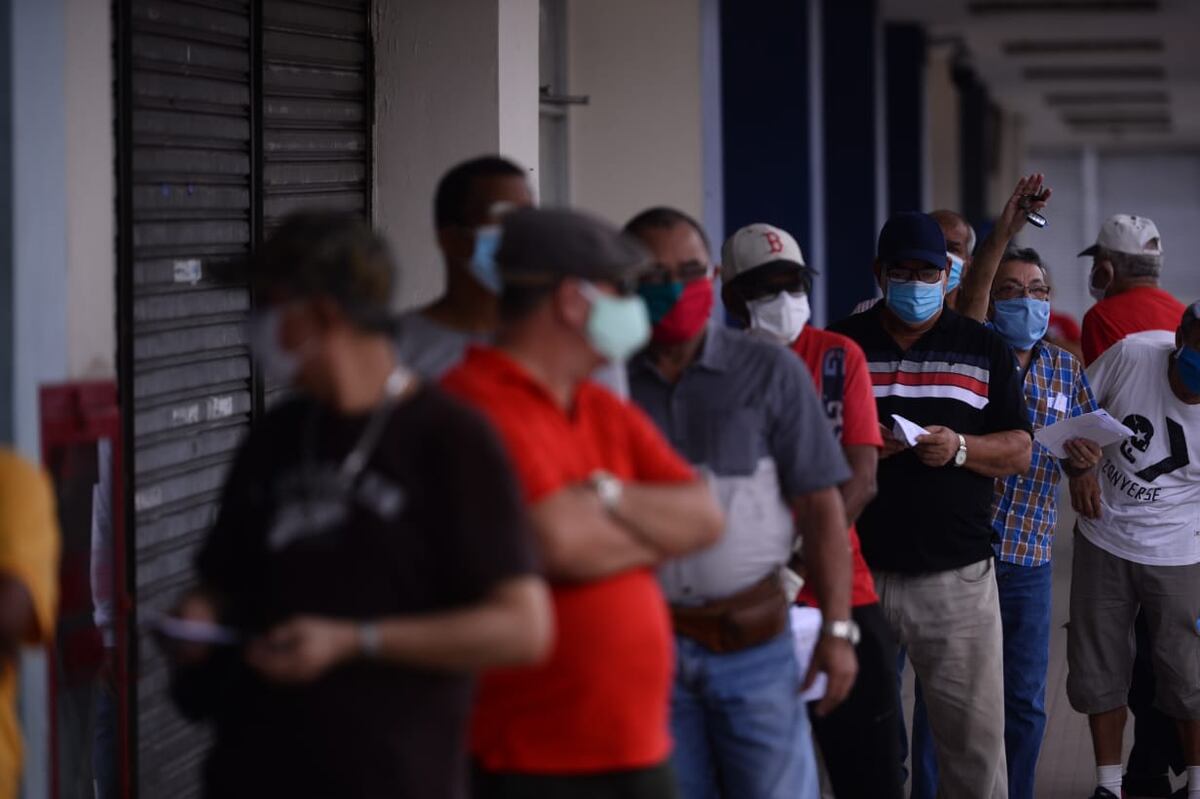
(541,244)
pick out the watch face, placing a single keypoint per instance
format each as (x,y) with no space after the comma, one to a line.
(960,457)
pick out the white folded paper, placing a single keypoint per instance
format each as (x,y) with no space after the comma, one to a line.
(806,629)
(907,431)
(1096,426)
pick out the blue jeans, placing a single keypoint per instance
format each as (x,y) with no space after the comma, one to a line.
(1025,613)
(740,729)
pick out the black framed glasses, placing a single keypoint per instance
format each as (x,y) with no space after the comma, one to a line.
(687,272)
(1015,291)
(926,274)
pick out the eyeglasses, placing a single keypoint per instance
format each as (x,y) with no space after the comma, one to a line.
(1015,291)
(661,274)
(928,274)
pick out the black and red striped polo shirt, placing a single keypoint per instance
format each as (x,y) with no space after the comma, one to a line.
(959,375)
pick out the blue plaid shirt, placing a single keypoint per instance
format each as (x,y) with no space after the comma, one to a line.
(1025,510)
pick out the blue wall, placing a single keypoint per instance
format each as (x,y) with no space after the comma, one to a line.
(904,75)
(764,103)
(851,179)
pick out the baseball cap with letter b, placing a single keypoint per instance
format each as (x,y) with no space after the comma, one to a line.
(1133,235)
(758,245)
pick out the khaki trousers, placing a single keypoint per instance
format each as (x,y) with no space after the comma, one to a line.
(950,623)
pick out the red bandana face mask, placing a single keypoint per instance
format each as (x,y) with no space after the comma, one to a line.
(689,314)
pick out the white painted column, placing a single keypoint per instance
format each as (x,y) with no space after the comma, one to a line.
(91,253)
(453,81)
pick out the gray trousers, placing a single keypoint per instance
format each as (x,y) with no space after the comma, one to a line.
(950,623)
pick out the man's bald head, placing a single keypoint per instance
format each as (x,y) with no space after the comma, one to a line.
(960,236)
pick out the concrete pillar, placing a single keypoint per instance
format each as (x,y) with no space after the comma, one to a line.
(453,80)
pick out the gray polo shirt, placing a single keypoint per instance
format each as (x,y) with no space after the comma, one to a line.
(747,416)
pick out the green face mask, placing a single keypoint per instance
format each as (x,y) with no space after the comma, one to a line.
(617,327)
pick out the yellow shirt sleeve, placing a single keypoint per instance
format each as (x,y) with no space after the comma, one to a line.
(29,537)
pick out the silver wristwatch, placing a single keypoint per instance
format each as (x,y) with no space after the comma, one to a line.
(608,488)
(368,639)
(847,630)
(960,457)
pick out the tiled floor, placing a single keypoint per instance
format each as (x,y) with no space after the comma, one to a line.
(1066,769)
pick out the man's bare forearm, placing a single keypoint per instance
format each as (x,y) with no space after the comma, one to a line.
(672,519)
(821,519)
(579,540)
(999,454)
(513,625)
(860,489)
(976,285)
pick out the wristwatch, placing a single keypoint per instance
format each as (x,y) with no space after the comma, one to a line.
(847,630)
(608,488)
(960,457)
(368,639)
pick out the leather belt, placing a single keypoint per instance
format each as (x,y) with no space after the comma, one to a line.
(746,619)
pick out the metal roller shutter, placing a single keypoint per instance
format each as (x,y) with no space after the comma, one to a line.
(316,82)
(231,113)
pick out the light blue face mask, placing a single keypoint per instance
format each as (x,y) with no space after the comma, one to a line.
(915,302)
(617,327)
(484,268)
(1022,322)
(956,267)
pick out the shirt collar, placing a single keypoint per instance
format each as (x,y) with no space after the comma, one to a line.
(713,357)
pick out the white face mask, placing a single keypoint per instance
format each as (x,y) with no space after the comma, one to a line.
(779,318)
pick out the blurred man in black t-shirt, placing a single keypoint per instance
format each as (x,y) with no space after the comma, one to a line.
(370,553)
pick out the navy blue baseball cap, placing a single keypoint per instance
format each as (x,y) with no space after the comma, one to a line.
(912,236)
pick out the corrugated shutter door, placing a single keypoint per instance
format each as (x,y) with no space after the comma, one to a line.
(212,158)
(316,134)
(192,398)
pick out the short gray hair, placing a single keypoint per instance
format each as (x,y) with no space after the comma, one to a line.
(1133,264)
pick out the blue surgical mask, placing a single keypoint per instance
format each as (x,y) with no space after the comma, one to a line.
(484,268)
(956,267)
(915,302)
(1187,360)
(1022,322)
(617,327)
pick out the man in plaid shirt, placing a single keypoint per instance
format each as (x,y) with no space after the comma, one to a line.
(1025,511)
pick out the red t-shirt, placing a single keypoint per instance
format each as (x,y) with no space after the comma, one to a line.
(600,701)
(839,370)
(1132,311)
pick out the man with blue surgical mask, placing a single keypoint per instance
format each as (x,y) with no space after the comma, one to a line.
(469,203)
(927,536)
(1026,510)
(1137,548)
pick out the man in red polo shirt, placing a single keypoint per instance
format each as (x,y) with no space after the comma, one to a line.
(767,285)
(1126,264)
(609,500)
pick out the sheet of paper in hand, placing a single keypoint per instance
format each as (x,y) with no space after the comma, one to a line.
(1096,426)
(806,629)
(907,431)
